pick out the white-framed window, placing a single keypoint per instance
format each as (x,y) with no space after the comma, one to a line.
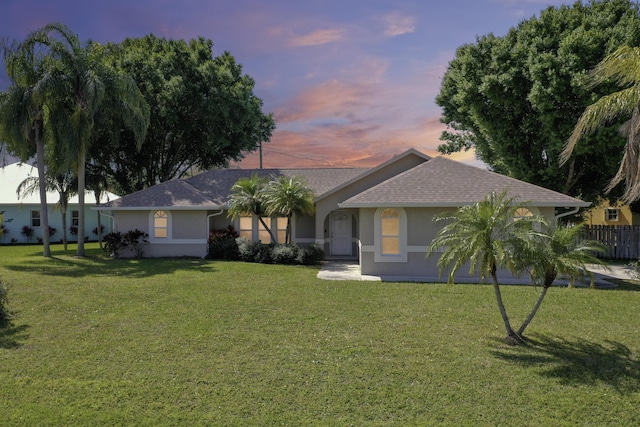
(35,218)
(280,224)
(74,218)
(612,214)
(390,232)
(390,235)
(245,226)
(160,225)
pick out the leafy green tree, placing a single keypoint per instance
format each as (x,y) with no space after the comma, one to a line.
(622,68)
(247,198)
(203,112)
(515,99)
(22,113)
(65,184)
(559,250)
(484,236)
(288,196)
(85,85)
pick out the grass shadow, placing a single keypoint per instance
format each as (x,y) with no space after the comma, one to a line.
(578,362)
(11,335)
(66,264)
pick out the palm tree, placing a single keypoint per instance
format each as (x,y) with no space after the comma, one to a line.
(84,83)
(485,236)
(22,115)
(558,251)
(621,67)
(64,184)
(288,196)
(247,198)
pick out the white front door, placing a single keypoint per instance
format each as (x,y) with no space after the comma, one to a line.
(340,233)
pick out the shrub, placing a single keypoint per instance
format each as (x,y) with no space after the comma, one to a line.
(135,240)
(254,251)
(95,230)
(285,254)
(5,314)
(223,245)
(27,232)
(73,230)
(310,255)
(113,243)
(278,254)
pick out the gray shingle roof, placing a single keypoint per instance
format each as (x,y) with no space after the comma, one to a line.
(445,182)
(211,189)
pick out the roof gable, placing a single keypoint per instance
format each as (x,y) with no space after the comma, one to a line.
(446,183)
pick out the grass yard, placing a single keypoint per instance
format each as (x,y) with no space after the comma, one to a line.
(98,341)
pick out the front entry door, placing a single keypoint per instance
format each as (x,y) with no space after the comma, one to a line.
(340,233)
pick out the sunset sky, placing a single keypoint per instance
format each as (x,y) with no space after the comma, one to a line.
(350,82)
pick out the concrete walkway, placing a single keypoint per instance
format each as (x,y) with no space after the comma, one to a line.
(350,270)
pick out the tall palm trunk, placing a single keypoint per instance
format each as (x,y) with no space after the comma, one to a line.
(81,187)
(63,213)
(266,227)
(534,310)
(503,312)
(42,182)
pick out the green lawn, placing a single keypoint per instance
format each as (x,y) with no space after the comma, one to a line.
(98,341)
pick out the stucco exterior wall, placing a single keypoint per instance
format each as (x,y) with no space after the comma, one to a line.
(17,216)
(330,203)
(421,230)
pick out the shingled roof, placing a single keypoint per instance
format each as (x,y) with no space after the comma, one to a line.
(211,189)
(441,182)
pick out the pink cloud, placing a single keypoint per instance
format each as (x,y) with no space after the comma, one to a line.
(318,37)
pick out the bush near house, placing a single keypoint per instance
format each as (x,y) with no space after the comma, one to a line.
(263,253)
(134,240)
(27,232)
(222,244)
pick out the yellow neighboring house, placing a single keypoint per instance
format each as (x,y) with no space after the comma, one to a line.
(605,214)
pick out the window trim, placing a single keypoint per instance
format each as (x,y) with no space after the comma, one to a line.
(152,226)
(609,211)
(35,215)
(402,235)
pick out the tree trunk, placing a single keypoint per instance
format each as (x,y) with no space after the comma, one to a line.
(264,224)
(99,229)
(63,213)
(81,187)
(44,209)
(533,311)
(511,335)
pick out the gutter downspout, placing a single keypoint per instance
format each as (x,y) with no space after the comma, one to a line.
(207,229)
(113,220)
(571,212)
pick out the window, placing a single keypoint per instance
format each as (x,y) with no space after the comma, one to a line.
(160,225)
(246,227)
(35,218)
(74,218)
(390,227)
(522,213)
(390,235)
(263,234)
(281,228)
(611,214)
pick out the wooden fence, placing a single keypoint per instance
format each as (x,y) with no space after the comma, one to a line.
(622,241)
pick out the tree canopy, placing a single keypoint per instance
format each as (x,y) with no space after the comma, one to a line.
(516,99)
(203,112)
